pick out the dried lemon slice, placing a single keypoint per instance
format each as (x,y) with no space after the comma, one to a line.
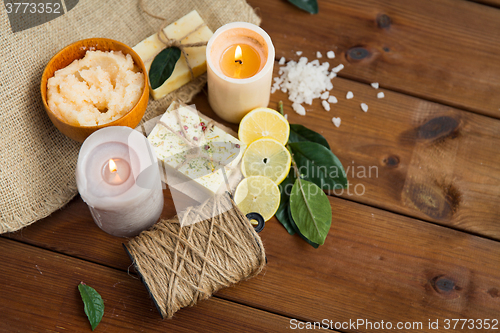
(266,157)
(261,123)
(258,194)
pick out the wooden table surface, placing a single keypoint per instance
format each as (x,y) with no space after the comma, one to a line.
(422,242)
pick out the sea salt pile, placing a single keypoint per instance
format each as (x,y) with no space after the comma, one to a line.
(304,81)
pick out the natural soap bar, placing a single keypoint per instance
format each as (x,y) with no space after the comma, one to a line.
(151,46)
(209,152)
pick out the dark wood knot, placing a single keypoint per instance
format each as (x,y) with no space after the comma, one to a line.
(444,285)
(436,201)
(438,128)
(383,21)
(391,161)
(358,53)
(493,292)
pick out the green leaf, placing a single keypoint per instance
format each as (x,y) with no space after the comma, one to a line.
(93,304)
(163,65)
(296,229)
(282,212)
(319,165)
(300,133)
(311,210)
(282,216)
(310,6)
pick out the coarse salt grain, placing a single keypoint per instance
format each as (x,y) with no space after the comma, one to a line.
(282,61)
(338,68)
(336,121)
(380,95)
(364,107)
(332,99)
(299,109)
(349,95)
(299,53)
(330,54)
(318,54)
(326,106)
(286,116)
(375,85)
(325,95)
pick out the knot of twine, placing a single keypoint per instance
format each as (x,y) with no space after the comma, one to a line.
(170,42)
(181,266)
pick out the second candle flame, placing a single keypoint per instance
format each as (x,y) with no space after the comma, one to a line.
(112,165)
(238,55)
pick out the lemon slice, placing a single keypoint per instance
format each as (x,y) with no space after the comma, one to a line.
(266,157)
(261,123)
(258,194)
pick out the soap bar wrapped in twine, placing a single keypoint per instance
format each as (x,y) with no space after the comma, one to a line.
(182,265)
(194,149)
(221,156)
(170,42)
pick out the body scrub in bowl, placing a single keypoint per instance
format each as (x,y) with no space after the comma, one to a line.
(95,90)
(94,83)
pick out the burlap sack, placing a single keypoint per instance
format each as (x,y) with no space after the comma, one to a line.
(37,165)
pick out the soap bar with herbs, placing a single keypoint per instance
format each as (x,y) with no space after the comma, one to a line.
(209,152)
(151,46)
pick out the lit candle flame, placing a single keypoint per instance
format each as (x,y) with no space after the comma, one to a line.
(112,165)
(238,55)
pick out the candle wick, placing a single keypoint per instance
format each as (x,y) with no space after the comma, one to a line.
(239,61)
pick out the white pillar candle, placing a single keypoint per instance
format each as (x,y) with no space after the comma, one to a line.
(118,177)
(231,96)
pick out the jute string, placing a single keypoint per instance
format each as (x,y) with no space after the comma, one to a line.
(170,42)
(181,266)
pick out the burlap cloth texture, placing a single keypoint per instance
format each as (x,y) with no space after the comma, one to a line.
(37,164)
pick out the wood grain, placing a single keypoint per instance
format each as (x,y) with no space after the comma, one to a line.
(440,50)
(374,265)
(411,156)
(39,293)
(419,158)
(434,163)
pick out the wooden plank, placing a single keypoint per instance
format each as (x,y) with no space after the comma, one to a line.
(440,50)
(71,229)
(38,292)
(375,265)
(412,156)
(349,280)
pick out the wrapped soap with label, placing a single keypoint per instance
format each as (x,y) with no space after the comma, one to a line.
(189,29)
(198,157)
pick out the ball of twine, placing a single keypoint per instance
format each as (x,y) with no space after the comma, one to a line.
(181,266)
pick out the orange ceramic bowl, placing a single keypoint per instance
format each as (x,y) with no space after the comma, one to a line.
(75,51)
